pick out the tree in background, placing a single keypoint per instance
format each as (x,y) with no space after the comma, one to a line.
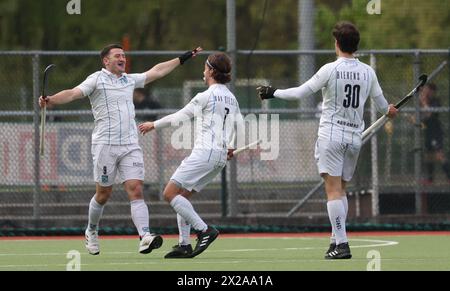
(168,25)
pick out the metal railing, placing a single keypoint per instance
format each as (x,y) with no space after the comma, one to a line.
(254,188)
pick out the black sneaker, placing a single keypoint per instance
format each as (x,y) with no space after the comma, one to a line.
(179,252)
(204,239)
(331,248)
(341,252)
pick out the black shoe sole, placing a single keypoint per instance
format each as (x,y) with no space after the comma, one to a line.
(156,244)
(179,256)
(213,238)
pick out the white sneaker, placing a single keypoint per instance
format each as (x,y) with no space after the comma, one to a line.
(92,244)
(150,242)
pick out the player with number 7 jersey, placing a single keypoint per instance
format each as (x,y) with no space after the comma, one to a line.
(346,85)
(219,129)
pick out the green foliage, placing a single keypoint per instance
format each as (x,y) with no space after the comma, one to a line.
(176,25)
(402,24)
(180,25)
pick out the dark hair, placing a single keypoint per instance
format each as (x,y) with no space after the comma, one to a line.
(220,63)
(347,36)
(105,51)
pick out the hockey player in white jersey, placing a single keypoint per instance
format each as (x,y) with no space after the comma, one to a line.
(218,127)
(115,148)
(346,85)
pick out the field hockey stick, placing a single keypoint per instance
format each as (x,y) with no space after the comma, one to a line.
(244,148)
(367,134)
(44,109)
(373,128)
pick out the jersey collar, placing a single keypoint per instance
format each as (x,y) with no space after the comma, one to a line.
(111,74)
(217,85)
(347,59)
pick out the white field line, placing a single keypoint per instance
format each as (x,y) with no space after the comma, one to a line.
(375,243)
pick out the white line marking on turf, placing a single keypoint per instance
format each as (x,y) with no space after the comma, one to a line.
(378,243)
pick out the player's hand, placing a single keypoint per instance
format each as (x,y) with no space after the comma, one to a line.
(265,92)
(392,111)
(43,101)
(196,51)
(230,154)
(146,127)
(189,54)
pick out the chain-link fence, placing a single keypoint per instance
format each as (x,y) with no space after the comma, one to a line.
(395,175)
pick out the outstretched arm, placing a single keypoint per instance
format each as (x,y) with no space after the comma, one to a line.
(163,69)
(188,112)
(317,82)
(62,97)
(268,92)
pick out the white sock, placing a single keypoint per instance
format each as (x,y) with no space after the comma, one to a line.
(345,202)
(95,213)
(336,213)
(332,238)
(185,231)
(139,214)
(184,208)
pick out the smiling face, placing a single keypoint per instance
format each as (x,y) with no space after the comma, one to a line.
(115,61)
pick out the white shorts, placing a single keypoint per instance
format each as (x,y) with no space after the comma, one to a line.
(128,160)
(336,159)
(199,169)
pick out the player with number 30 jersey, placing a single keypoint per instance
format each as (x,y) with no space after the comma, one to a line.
(346,85)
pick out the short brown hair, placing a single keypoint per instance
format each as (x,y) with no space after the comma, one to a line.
(220,63)
(347,36)
(105,51)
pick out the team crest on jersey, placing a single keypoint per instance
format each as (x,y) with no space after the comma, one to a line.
(104,178)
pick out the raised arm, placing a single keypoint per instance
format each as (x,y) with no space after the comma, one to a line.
(317,82)
(268,92)
(163,69)
(188,112)
(62,97)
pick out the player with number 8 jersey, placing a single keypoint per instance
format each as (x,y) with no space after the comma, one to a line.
(115,148)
